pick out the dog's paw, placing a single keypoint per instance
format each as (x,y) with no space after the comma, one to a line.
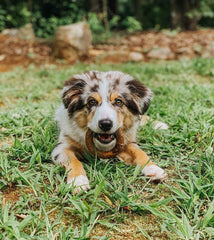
(156,124)
(160,125)
(154,172)
(80,183)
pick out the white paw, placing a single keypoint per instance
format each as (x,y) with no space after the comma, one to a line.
(80,183)
(154,172)
(160,125)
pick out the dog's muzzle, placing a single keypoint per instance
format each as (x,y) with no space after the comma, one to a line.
(105,138)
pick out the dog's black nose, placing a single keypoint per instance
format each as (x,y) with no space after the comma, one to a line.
(105,124)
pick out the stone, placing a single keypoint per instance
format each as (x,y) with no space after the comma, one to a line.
(162,53)
(135,40)
(72,41)
(198,48)
(118,56)
(114,56)
(208,52)
(26,32)
(136,56)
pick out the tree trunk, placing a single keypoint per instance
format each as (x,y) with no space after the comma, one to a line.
(94,6)
(113,7)
(191,21)
(179,14)
(105,14)
(137,10)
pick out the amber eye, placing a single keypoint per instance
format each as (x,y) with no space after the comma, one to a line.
(118,102)
(92,102)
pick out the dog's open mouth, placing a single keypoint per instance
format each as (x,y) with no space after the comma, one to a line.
(107,145)
(104,137)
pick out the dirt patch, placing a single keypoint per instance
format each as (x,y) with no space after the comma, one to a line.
(11,195)
(164,45)
(132,227)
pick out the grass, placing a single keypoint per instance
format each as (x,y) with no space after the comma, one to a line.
(36,203)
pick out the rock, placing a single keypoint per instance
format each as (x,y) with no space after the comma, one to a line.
(26,32)
(118,56)
(185,53)
(72,41)
(114,56)
(135,40)
(198,48)
(2,57)
(95,52)
(208,52)
(163,53)
(136,56)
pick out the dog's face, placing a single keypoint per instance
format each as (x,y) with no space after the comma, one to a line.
(105,102)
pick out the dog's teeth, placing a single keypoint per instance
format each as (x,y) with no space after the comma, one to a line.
(112,136)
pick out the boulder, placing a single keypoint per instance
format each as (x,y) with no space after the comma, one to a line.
(26,32)
(72,41)
(118,56)
(135,40)
(208,52)
(114,56)
(136,56)
(162,53)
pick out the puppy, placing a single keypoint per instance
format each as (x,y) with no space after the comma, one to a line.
(99,115)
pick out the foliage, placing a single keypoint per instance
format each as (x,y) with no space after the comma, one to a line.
(47,15)
(95,24)
(2,19)
(36,203)
(131,24)
(14,15)
(207,10)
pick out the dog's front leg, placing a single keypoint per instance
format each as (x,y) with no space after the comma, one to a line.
(76,175)
(133,155)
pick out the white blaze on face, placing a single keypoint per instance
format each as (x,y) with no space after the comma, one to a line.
(104,111)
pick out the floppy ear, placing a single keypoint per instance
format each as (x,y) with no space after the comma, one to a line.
(139,100)
(71,95)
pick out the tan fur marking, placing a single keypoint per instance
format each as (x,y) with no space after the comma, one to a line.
(128,119)
(90,117)
(97,97)
(113,96)
(81,118)
(134,156)
(120,117)
(74,166)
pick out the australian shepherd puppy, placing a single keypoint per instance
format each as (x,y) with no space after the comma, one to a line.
(100,116)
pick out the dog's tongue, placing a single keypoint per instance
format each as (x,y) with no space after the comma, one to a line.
(105,137)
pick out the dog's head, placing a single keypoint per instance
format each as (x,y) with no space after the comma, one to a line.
(105,102)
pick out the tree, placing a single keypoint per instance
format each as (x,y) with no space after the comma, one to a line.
(187,13)
(137,10)
(94,6)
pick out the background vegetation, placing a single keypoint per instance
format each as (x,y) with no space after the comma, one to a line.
(105,15)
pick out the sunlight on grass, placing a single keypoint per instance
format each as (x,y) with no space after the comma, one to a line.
(36,203)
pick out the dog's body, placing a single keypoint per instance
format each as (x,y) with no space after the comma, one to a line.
(101,110)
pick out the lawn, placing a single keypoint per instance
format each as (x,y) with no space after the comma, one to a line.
(122,204)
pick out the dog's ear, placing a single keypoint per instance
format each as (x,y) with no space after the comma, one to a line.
(139,100)
(71,95)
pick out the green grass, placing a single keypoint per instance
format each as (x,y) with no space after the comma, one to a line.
(36,203)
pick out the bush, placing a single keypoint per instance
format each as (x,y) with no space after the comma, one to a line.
(131,24)
(2,19)
(95,24)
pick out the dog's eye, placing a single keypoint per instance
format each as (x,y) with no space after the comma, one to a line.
(92,102)
(118,102)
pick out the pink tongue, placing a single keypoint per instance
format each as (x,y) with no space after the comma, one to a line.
(105,137)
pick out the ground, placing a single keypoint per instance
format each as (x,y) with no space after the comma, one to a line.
(35,201)
(143,46)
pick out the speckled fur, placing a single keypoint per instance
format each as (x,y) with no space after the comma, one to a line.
(75,116)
